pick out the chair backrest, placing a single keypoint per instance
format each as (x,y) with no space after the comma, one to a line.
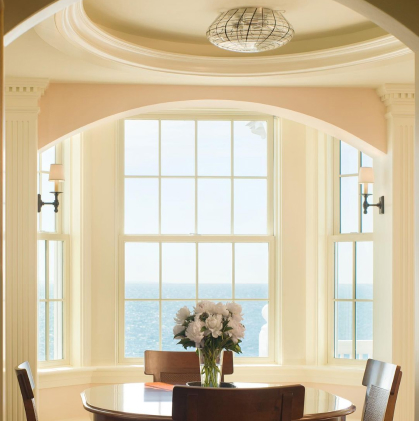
(177,367)
(280,403)
(27,385)
(382,381)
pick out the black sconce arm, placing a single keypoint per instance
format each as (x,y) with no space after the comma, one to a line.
(379,205)
(55,203)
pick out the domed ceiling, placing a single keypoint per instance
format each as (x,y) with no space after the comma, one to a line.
(180,26)
(164,41)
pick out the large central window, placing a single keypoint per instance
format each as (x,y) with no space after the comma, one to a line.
(197,224)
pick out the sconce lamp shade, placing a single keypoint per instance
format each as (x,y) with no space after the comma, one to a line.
(366,175)
(56,172)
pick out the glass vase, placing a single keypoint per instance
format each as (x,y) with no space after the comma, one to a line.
(211,366)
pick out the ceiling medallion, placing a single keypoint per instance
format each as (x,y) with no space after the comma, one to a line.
(250,30)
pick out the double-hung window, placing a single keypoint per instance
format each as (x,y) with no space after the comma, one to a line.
(197,224)
(52,269)
(351,261)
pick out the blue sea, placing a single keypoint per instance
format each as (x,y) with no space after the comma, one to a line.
(142,317)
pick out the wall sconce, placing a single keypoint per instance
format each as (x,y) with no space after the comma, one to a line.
(56,174)
(365,177)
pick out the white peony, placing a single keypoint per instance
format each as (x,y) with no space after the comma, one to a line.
(236,311)
(237,331)
(177,329)
(205,307)
(215,324)
(194,333)
(182,315)
(220,308)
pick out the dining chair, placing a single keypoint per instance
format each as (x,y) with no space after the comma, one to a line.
(26,383)
(382,381)
(280,403)
(177,367)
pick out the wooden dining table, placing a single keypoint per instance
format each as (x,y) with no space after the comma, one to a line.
(136,401)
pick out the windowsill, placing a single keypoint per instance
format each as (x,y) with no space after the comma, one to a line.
(350,375)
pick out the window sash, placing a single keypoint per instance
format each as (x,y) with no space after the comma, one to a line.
(58,235)
(65,311)
(198,238)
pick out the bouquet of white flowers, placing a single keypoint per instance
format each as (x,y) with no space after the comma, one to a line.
(211,328)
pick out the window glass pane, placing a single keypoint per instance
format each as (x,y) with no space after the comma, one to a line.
(367,219)
(214,148)
(250,207)
(178,270)
(343,330)
(349,210)
(141,147)
(348,159)
(177,206)
(364,322)
(177,147)
(41,331)
(141,327)
(55,273)
(141,206)
(48,158)
(366,161)
(47,214)
(169,310)
(250,148)
(142,270)
(41,269)
(56,330)
(344,270)
(214,206)
(364,270)
(251,270)
(255,339)
(215,271)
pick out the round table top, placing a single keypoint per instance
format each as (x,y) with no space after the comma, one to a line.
(148,403)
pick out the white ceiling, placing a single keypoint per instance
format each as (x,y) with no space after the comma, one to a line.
(188,20)
(179,27)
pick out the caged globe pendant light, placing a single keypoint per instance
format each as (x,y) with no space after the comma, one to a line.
(250,30)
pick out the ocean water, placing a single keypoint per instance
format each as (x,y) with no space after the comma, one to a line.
(142,318)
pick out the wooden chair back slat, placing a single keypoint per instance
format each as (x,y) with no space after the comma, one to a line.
(27,385)
(281,403)
(177,367)
(382,381)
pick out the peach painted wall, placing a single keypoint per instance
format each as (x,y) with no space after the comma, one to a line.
(355,115)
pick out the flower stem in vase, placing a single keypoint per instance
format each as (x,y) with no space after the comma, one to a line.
(211,365)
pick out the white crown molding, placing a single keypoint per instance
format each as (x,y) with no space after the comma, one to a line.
(22,96)
(399,98)
(15,86)
(82,35)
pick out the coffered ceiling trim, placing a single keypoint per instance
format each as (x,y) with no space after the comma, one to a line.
(81,33)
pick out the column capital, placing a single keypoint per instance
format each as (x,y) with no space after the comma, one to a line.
(22,94)
(399,99)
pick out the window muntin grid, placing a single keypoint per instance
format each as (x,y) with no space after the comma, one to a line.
(195,237)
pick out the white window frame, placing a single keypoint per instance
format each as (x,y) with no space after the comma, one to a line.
(58,235)
(164,238)
(337,237)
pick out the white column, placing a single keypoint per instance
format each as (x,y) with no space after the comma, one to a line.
(394,238)
(21,144)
